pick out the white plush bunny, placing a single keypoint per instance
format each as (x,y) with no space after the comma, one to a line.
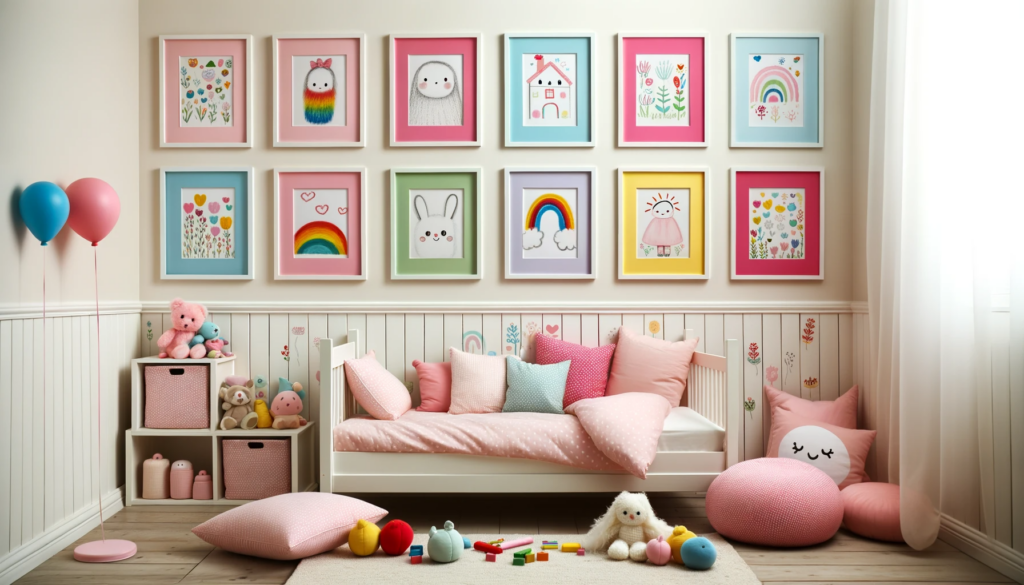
(626,528)
(434,235)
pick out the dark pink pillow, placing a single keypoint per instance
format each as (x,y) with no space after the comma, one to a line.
(435,386)
(588,372)
(841,412)
(872,510)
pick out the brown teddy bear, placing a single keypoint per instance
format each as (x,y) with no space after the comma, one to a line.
(238,406)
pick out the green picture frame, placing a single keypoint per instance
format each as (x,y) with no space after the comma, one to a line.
(447,203)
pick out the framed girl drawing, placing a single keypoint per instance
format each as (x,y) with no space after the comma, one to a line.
(777,90)
(434,90)
(777,222)
(664,223)
(206,223)
(661,90)
(319,90)
(548,95)
(205,91)
(320,224)
(549,223)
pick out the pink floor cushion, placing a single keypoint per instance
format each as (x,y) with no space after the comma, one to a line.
(872,510)
(775,502)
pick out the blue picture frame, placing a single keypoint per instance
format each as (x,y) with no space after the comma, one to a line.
(519,134)
(219,191)
(745,133)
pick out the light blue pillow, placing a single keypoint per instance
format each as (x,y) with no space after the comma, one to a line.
(535,388)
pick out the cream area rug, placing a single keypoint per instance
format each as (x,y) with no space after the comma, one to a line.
(562,568)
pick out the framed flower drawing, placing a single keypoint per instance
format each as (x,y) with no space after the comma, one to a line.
(206,223)
(436,224)
(206,91)
(549,223)
(319,90)
(662,90)
(664,223)
(320,224)
(548,96)
(435,90)
(778,217)
(777,90)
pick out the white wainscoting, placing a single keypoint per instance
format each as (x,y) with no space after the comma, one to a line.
(49,442)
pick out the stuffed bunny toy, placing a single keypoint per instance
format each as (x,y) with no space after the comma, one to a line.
(434,235)
(626,528)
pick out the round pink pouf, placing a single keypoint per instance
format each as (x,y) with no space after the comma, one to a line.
(872,510)
(775,502)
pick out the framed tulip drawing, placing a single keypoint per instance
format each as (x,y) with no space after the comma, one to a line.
(206,219)
(777,221)
(320,224)
(206,91)
(664,223)
(661,90)
(319,90)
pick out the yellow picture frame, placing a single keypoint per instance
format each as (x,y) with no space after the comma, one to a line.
(696,265)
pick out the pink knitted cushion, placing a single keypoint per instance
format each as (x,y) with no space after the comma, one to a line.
(588,372)
(775,502)
(872,510)
(377,390)
(289,526)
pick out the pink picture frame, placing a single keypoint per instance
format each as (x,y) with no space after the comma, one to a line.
(330,117)
(205,91)
(777,223)
(441,115)
(662,90)
(320,223)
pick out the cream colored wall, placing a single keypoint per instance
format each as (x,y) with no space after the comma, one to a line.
(69,109)
(845,77)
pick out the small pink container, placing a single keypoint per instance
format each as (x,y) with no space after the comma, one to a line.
(181,480)
(202,487)
(156,478)
(254,470)
(177,397)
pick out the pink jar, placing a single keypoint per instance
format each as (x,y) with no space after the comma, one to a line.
(181,480)
(202,488)
(155,477)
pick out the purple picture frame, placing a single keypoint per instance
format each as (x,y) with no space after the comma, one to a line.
(583,180)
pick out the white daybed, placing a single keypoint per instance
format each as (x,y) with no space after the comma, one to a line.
(713,391)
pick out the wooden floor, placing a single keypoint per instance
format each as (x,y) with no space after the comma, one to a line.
(170,553)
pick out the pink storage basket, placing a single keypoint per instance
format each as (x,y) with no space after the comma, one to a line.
(177,397)
(257,469)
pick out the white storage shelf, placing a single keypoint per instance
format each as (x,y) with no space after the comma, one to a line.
(202,447)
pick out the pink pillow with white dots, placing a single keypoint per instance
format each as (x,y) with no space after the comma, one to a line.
(377,390)
(588,372)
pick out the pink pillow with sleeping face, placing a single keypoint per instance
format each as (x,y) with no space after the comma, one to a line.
(377,390)
(646,364)
(435,386)
(588,370)
(838,452)
(841,412)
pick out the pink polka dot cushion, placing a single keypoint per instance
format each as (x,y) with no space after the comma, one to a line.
(377,390)
(588,372)
(872,510)
(775,502)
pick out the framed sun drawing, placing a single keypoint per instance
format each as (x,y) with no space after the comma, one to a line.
(664,223)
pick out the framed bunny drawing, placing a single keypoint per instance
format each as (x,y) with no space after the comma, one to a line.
(435,224)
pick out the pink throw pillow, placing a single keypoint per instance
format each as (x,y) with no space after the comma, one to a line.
(288,526)
(838,452)
(435,386)
(872,510)
(478,383)
(588,372)
(377,390)
(646,364)
(841,412)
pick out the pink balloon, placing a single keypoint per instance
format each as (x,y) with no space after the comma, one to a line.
(95,208)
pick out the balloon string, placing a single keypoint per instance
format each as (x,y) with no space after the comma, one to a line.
(99,393)
(44,357)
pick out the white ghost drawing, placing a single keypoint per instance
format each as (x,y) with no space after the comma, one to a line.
(434,99)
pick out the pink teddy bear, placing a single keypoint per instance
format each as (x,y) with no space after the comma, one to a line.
(186,319)
(287,406)
(215,348)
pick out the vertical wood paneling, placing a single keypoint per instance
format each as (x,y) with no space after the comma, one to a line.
(571,328)
(1017,434)
(732,328)
(376,335)
(434,349)
(694,322)
(238,343)
(452,333)
(473,323)
(771,357)
(714,334)
(675,328)
(6,446)
(792,349)
(38,438)
(278,361)
(634,323)
(27,435)
(151,330)
(810,340)
(49,419)
(590,332)
(753,386)
(1002,479)
(55,422)
(512,333)
(337,328)
(259,346)
(358,321)
(828,383)
(654,325)
(17,422)
(394,324)
(552,326)
(608,328)
(493,334)
(226,330)
(72,390)
(845,352)
(413,351)
(532,326)
(92,390)
(318,329)
(298,345)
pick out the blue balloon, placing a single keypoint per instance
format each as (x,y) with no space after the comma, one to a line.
(44,209)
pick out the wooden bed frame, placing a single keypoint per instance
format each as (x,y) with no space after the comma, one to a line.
(713,390)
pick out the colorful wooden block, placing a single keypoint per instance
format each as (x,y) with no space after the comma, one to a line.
(519,562)
(549,547)
(416,560)
(571,547)
(492,558)
(522,553)
(542,556)
(416,550)
(581,552)
(530,558)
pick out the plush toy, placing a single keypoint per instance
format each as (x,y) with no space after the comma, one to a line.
(287,406)
(262,388)
(264,420)
(444,546)
(395,537)
(238,407)
(698,553)
(626,528)
(679,535)
(658,551)
(186,319)
(364,538)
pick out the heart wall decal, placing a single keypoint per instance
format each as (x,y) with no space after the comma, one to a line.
(551,329)
(307,197)
(322,209)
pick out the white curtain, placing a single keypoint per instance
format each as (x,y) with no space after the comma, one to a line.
(944,204)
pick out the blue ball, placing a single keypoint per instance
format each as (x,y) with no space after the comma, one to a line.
(44,208)
(698,553)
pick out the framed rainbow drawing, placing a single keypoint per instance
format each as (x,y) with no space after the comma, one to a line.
(320,223)
(777,90)
(549,223)
(319,90)
(777,220)
(662,90)
(206,223)
(664,223)
(205,91)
